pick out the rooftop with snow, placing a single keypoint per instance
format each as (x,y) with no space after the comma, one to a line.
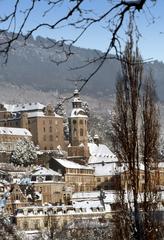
(15,131)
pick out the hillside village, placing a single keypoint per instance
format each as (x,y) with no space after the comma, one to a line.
(50,174)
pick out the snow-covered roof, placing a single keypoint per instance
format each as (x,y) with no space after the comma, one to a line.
(3,202)
(4,182)
(42,171)
(78,112)
(124,167)
(100,153)
(24,107)
(161,195)
(77,99)
(3,172)
(61,210)
(10,168)
(14,131)
(25,181)
(106,169)
(161,164)
(88,204)
(36,114)
(110,196)
(69,164)
(41,114)
(81,198)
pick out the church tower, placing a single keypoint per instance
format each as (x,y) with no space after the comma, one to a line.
(78,132)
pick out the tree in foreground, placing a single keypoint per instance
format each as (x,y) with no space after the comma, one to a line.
(136,141)
(25,153)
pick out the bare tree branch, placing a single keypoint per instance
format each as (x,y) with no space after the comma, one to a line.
(77,15)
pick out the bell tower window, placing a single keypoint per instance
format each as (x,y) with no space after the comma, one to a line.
(74,121)
(81,132)
(75,132)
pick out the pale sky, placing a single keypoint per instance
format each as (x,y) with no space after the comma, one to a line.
(150,22)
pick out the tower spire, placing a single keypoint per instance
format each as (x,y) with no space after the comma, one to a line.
(77,102)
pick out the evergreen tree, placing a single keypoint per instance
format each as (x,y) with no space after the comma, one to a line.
(25,153)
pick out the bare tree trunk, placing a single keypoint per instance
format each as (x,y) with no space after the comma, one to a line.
(135,139)
(149,149)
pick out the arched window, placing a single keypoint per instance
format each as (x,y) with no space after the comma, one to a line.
(74,121)
(81,132)
(25,225)
(75,132)
(50,129)
(16,197)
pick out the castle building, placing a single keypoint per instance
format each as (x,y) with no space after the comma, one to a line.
(44,124)
(160,174)
(44,217)
(77,176)
(9,137)
(50,184)
(15,198)
(105,165)
(78,148)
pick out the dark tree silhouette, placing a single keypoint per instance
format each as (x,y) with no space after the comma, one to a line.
(136,142)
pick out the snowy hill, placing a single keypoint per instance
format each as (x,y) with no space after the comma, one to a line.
(31,66)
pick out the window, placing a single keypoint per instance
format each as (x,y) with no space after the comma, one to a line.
(36,224)
(98,179)
(81,121)
(51,138)
(48,178)
(17,197)
(74,121)
(50,129)
(25,225)
(46,223)
(81,132)
(44,129)
(75,132)
(33,179)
